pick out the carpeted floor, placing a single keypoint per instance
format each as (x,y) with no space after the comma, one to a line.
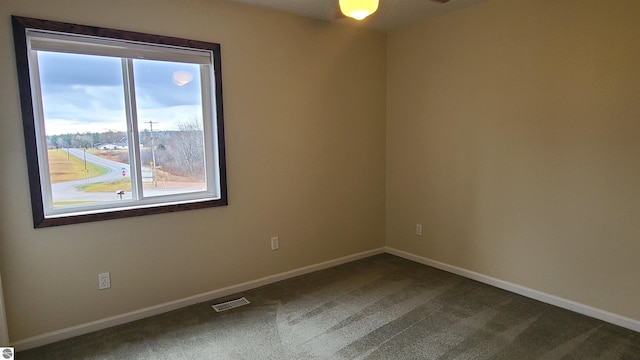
(383,307)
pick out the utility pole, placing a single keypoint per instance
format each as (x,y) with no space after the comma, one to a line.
(84,154)
(153,153)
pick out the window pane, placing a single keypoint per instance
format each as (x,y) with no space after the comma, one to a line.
(169,109)
(86,128)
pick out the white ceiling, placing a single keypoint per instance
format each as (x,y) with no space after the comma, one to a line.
(391,14)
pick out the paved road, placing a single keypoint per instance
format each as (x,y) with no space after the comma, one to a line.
(67,191)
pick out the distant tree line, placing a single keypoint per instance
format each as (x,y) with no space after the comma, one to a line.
(85,140)
(179,152)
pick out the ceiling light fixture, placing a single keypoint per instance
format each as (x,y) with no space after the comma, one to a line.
(358,9)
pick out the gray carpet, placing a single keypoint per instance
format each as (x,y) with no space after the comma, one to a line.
(382,307)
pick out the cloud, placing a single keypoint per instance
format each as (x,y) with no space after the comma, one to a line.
(165,118)
(155,86)
(73,69)
(85,93)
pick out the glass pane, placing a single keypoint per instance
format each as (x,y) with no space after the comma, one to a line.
(169,107)
(86,128)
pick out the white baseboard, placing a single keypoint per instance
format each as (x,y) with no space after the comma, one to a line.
(86,328)
(524,291)
(4,333)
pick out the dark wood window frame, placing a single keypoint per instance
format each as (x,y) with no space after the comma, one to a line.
(20,26)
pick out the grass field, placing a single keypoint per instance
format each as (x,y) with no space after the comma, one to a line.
(66,168)
(124,185)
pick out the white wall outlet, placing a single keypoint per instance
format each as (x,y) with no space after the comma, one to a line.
(419,229)
(275,243)
(104,281)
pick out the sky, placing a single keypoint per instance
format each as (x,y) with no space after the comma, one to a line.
(85,93)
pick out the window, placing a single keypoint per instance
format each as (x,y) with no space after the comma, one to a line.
(117,123)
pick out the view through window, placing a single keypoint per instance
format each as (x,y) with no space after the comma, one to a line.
(120,125)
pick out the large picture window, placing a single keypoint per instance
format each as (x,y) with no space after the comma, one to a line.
(118,123)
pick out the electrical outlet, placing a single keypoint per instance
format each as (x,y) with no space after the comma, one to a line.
(275,244)
(419,229)
(104,281)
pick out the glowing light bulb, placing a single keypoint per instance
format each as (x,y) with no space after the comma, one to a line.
(358,9)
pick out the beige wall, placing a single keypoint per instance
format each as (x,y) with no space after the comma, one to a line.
(305,124)
(513,137)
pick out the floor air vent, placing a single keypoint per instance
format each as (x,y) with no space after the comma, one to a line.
(230,304)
